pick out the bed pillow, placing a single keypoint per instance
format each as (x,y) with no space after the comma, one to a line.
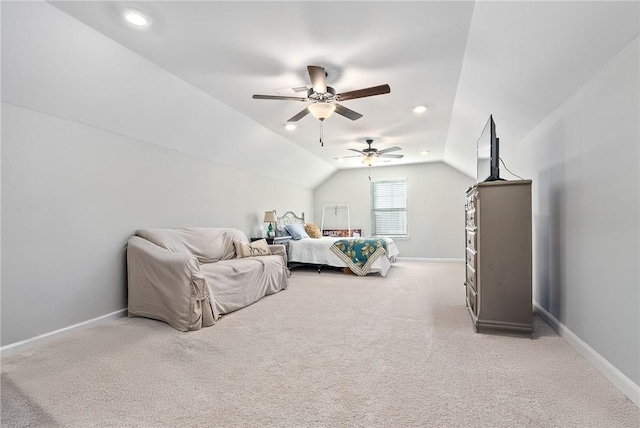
(253,249)
(296,231)
(312,230)
(282,231)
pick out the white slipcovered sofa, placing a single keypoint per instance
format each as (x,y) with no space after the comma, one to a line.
(189,277)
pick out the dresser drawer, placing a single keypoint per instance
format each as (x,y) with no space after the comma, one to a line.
(471,200)
(471,277)
(471,240)
(471,218)
(472,300)
(471,257)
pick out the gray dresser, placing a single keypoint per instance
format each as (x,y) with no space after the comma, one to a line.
(498,257)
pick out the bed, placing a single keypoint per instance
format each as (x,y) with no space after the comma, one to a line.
(322,251)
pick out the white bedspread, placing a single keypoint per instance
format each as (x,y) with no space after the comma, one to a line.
(318,252)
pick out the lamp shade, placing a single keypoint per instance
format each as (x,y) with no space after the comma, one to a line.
(270,216)
(321,111)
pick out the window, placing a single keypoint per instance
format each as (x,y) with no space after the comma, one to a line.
(389,207)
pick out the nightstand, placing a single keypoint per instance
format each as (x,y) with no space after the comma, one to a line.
(284,240)
(269,239)
(273,239)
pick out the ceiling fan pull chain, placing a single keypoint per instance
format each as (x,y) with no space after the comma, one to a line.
(321,142)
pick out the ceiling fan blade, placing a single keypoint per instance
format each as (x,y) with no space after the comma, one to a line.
(299,116)
(361,93)
(391,156)
(347,157)
(358,151)
(318,78)
(348,113)
(277,97)
(390,149)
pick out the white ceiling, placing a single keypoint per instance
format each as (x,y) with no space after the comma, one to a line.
(464,60)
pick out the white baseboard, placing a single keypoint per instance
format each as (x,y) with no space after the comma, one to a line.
(423,259)
(615,376)
(18,347)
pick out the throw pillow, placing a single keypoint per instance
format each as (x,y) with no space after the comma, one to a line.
(313,230)
(253,249)
(296,231)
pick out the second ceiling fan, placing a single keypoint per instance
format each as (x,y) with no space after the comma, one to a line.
(370,155)
(324,100)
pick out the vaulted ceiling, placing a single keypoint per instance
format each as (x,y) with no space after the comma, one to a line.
(463,60)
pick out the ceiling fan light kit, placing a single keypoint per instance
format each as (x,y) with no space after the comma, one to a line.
(369,160)
(321,111)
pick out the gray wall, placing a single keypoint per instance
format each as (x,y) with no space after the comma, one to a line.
(435,194)
(86,163)
(584,160)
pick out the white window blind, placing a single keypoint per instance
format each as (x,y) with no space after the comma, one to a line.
(389,207)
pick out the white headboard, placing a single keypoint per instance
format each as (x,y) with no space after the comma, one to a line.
(288,218)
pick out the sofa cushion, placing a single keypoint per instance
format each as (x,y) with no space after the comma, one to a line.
(256,248)
(207,244)
(237,283)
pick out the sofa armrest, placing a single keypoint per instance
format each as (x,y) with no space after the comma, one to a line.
(167,286)
(280,250)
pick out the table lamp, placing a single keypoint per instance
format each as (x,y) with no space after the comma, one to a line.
(270,217)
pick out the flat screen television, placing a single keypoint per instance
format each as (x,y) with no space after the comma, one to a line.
(488,153)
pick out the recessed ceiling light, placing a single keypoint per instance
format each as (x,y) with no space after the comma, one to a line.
(419,109)
(424,152)
(290,126)
(136,18)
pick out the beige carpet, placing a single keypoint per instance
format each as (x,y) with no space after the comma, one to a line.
(332,350)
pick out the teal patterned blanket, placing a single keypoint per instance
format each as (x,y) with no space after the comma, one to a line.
(359,254)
